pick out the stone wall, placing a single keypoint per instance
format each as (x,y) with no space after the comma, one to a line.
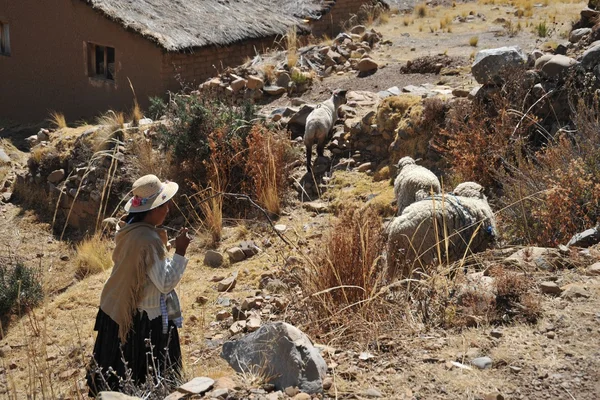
(331,24)
(194,68)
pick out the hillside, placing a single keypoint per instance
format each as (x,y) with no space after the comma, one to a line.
(519,320)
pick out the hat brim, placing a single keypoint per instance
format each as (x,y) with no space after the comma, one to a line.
(168,191)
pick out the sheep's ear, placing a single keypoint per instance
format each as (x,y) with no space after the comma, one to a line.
(340,93)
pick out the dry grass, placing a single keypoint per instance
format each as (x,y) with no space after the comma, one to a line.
(268,71)
(94,255)
(473,41)
(151,161)
(58,120)
(136,114)
(112,125)
(421,10)
(266,166)
(291,40)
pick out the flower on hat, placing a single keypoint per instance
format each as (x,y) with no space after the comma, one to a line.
(138,201)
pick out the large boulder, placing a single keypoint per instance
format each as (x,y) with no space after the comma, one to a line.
(297,122)
(577,34)
(490,63)
(557,66)
(282,354)
(590,57)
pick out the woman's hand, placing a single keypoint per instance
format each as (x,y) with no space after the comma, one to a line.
(182,241)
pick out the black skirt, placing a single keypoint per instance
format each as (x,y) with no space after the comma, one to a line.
(160,356)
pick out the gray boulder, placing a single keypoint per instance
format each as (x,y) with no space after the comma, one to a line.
(542,60)
(282,353)
(489,64)
(557,66)
(591,57)
(585,239)
(578,34)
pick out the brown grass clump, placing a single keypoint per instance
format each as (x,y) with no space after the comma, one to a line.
(94,255)
(346,273)
(112,131)
(266,166)
(291,40)
(136,114)
(421,10)
(58,120)
(269,73)
(515,300)
(473,41)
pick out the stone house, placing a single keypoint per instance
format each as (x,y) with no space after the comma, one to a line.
(83,57)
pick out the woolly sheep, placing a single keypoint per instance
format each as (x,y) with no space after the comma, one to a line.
(468,220)
(410,180)
(320,122)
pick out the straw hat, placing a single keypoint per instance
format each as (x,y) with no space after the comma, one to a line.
(149,192)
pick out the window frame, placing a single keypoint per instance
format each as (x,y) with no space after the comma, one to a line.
(4,39)
(92,69)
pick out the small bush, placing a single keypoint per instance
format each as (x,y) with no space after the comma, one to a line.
(20,288)
(94,255)
(157,108)
(421,10)
(473,41)
(515,300)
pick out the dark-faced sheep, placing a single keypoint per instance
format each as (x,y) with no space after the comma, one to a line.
(320,122)
(411,179)
(447,225)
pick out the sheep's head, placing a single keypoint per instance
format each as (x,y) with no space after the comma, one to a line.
(339,96)
(404,161)
(469,189)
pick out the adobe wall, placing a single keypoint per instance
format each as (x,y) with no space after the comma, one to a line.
(47,68)
(331,23)
(193,68)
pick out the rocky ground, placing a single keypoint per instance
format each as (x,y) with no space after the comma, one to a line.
(243,284)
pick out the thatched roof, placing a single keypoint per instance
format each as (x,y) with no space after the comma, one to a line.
(181,24)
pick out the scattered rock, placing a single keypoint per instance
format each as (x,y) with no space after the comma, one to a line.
(591,57)
(577,34)
(574,291)
(550,288)
(226,382)
(372,393)
(482,362)
(253,323)
(238,85)
(490,63)
(358,29)
(367,65)
(223,315)
(327,383)
(496,333)
(593,270)
(237,327)
(285,354)
(283,80)
(115,396)
(249,248)
(280,228)
(585,239)
(302,396)
(236,254)
(364,167)
(213,259)
(316,206)
(56,176)
(493,396)
(197,385)
(254,82)
(227,284)
(274,90)
(557,66)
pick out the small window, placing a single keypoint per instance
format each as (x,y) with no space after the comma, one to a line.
(101,62)
(4,39)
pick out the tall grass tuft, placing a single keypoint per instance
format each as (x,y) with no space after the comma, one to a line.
(94,255)
(347,270)
(421,10)
(291,41)
(58,120)
(266,166)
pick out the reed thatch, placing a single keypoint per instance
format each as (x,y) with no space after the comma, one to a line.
(182,24)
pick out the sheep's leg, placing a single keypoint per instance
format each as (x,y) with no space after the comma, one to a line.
(308,156)
(320,149)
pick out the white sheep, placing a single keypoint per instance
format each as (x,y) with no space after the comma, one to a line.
(320,122)
(411,179)
(460,224)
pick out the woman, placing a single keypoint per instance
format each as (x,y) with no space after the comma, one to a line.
(138,301)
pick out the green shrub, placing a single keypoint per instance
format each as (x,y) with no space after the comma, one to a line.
(20,289)
(193,120)
(157,108)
